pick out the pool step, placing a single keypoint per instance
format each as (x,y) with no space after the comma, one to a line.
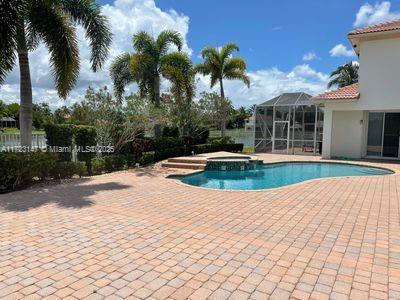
(180,165)
(185,163)
(187,160)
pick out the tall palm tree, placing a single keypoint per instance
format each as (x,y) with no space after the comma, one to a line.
(220,65)
(26,23)
(344,75)
(145,65)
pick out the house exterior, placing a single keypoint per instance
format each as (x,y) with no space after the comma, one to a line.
(249,124)
(363,119)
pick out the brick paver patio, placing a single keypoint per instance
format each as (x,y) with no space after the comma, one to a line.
(139,235)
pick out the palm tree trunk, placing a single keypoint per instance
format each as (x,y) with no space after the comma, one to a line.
(223,120)
(25,116)
(157,104)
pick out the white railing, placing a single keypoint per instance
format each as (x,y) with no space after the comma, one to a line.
(13,140)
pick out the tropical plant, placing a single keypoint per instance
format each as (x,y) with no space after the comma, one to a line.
(220,65)
(344,75)
(41,115)
(3,109)
(215,109)
(145,66)
(26,23)
(178,69)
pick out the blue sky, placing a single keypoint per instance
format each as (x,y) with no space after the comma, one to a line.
(271,33)
(289,45)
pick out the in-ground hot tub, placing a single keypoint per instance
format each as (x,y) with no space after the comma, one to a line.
(240,163)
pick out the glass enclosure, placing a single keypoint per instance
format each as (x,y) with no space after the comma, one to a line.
(289,124)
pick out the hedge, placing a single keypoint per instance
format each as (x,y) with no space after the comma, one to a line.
(24,168)
(85,139)
(60,136)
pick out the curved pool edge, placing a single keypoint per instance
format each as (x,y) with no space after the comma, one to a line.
(177,177)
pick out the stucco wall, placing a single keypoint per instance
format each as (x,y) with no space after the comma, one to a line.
(379,74)
(347,134)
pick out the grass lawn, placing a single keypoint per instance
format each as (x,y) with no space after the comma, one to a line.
(16,131)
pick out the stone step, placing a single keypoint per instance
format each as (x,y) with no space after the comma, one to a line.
(187,160)
(183,166)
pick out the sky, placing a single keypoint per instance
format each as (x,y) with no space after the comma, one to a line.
(288,45)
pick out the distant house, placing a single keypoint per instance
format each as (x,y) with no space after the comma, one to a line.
(363,119)
(7,122)
(249,124)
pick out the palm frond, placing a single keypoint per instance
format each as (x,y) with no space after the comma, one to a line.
(177,60)
(201,69)
(227,50)
(55,29)
(167,37)
(238,75)
(234,63)
(142,68)
(11,12)
(344,75)
(208,52)
(143,42)
(88,14)
(120,74)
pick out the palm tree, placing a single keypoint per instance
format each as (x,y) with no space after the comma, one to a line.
(145,66)
(178,69)
(220,65)
(344,75)
(26,23)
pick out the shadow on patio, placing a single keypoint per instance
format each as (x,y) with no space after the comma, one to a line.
(71,195)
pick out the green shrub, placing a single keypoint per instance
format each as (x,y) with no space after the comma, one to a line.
(63,170)
(141,145)
(206,148)
(59,139)
(220,140)
(41,163)
(170,132)
(80,168)
(114,162)
(147,158)
(168,153)
(130,160)
(98,165)
(108,163)
(163,143)
(85,140)
(119,161)
(201,135)
(16,170)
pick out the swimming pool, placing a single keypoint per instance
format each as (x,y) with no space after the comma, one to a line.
(267,176)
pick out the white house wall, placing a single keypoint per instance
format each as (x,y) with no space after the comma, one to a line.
(379,75)
(347,134)
(345,124)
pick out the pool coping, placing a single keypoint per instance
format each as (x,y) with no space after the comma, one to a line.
(176,178)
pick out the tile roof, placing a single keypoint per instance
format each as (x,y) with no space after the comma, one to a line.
(388,26)
(349,92)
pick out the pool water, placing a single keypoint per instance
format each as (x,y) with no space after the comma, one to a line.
(276,175)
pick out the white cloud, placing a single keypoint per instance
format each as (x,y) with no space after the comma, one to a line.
(372,14)
(126,17)
(266,84)
(341,50)
(309,56)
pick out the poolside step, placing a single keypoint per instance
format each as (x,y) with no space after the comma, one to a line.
(187,160)
(179,165)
